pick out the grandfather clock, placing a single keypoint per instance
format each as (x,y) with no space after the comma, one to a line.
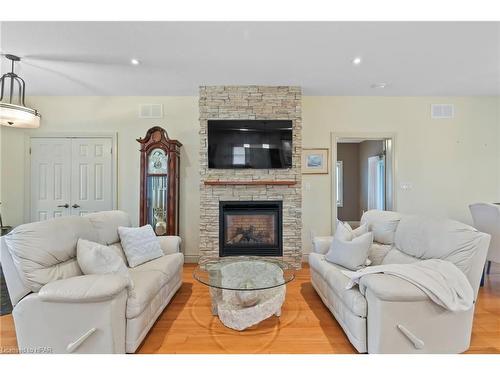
(159,205)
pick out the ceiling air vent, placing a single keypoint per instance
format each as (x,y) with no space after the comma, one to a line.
(150,111)
(442,111)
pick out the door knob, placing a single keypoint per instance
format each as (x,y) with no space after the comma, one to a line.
(75,206)
(64,205)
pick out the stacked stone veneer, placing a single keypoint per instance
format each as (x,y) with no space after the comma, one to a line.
(253,103)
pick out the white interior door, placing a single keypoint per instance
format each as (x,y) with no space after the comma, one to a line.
(50,178)
(70,176)
(91,181)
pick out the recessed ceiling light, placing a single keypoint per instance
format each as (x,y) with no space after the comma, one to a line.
(380,85)
(135,62)
(356,61)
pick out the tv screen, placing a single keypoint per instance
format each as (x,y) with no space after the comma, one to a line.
(258,144)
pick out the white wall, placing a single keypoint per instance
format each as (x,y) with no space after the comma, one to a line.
(111,114)
(450,163)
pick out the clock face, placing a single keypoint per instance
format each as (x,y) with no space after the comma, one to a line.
(158,161)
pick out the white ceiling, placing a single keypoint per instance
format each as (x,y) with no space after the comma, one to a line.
(414,58)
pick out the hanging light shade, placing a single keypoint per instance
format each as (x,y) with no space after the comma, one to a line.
(13,111)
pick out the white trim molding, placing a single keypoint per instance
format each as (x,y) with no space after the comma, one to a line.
(339,166)
(390,158)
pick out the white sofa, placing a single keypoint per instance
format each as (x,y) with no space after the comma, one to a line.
(57,309)
(386,314)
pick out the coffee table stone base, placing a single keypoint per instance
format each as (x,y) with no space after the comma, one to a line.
(239,310)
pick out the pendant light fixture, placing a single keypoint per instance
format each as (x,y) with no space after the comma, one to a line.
(15,114)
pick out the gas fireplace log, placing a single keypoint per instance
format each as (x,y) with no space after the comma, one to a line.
(235,239)
(249,236)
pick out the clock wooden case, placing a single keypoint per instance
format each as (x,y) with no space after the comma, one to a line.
(159,203)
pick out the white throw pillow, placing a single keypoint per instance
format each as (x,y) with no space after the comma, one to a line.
(343,231)
(140,245)
(94,258)
(350,254)
(346,233)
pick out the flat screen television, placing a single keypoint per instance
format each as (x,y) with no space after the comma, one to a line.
(257,144)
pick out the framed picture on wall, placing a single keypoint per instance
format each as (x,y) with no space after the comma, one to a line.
(315,161)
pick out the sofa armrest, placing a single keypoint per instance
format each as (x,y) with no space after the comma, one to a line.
(15,283)
(170,244)
(391,288)
(87,288)
(321,245)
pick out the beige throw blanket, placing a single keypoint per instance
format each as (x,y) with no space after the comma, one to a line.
(440,280)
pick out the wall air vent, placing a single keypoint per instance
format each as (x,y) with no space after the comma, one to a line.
(442,111)
(151,111)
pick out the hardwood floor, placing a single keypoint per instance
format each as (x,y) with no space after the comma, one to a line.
(306,325)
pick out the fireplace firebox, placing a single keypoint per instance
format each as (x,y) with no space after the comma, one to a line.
(250,228)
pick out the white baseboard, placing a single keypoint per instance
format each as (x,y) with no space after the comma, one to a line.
(191,258)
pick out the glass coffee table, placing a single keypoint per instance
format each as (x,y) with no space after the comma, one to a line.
(245,290)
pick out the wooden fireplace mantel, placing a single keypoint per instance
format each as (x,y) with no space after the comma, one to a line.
(250,182)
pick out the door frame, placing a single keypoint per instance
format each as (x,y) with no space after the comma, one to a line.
(375,136)
(27,163)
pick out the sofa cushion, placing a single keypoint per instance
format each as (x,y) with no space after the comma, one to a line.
(337,281)
(394,256)
(383,224)
(45,251)
(139,244)
(106,224)
(148,279)
(426,238)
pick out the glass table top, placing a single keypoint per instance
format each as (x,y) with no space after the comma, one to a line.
(244,273)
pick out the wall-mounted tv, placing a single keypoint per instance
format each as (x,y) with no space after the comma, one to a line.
(257,144)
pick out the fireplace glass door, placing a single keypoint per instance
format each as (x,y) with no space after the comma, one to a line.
(250,228)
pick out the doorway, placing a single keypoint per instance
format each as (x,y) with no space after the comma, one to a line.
(363,176)
(70,176)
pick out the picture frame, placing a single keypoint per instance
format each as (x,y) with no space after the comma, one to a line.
(315,161)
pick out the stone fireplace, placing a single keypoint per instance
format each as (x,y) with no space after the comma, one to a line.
(221,186)
(250,228)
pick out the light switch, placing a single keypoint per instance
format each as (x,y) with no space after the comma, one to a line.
(307,186)
(406,186)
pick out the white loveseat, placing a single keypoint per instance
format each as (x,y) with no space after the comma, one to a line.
(387,314)
(57,309)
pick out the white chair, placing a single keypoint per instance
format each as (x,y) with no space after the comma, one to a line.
(486,218)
